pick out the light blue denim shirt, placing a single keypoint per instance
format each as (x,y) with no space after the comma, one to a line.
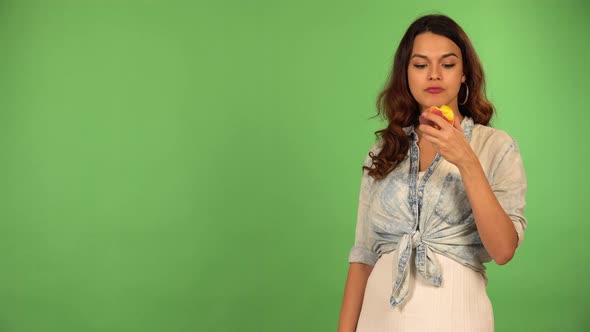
(398,213)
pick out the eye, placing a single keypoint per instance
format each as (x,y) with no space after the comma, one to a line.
(449,65)
(420,66)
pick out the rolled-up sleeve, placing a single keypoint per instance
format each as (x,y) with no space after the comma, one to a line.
(509,185)
(362,251)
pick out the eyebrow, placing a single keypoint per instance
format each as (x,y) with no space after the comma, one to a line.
(442,57)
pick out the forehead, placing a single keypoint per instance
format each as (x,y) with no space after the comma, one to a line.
(434,46)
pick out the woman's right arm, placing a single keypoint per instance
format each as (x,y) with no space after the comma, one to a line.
(354,291)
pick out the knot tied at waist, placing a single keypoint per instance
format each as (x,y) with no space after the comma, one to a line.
(416,238)
(426,264)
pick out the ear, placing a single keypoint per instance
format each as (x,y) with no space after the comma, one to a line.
(463,78)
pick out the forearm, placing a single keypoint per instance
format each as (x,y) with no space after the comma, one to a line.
(495,227)
(354,292)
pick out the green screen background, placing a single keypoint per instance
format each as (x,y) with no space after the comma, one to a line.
(195,166)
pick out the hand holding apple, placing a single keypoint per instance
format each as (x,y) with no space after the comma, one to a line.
(444,111)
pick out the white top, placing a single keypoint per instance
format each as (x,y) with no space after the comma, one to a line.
(460,304)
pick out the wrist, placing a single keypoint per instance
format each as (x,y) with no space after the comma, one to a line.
(469,165)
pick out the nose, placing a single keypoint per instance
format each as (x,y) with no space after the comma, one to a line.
(434,73)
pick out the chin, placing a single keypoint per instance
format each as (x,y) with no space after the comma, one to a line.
(436,101)
(433,102)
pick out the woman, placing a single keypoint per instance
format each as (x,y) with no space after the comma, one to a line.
(436,202)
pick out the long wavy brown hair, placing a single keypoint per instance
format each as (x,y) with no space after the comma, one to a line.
(396,104)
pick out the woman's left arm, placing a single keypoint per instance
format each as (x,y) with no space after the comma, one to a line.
(496,229)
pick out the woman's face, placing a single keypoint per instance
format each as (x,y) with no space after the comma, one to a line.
(435,71)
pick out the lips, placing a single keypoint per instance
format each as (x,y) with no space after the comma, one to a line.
(434,90)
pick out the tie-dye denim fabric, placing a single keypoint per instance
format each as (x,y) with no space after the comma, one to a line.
(399,213)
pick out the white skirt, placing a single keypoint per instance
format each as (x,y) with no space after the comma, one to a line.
(460,304)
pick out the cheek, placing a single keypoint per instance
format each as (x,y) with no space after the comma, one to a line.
(413,80)
(455,81)
(458,75)
(457,85)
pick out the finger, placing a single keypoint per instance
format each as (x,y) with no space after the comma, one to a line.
(432,139)
(429,130)
(435,146)
(442,123)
